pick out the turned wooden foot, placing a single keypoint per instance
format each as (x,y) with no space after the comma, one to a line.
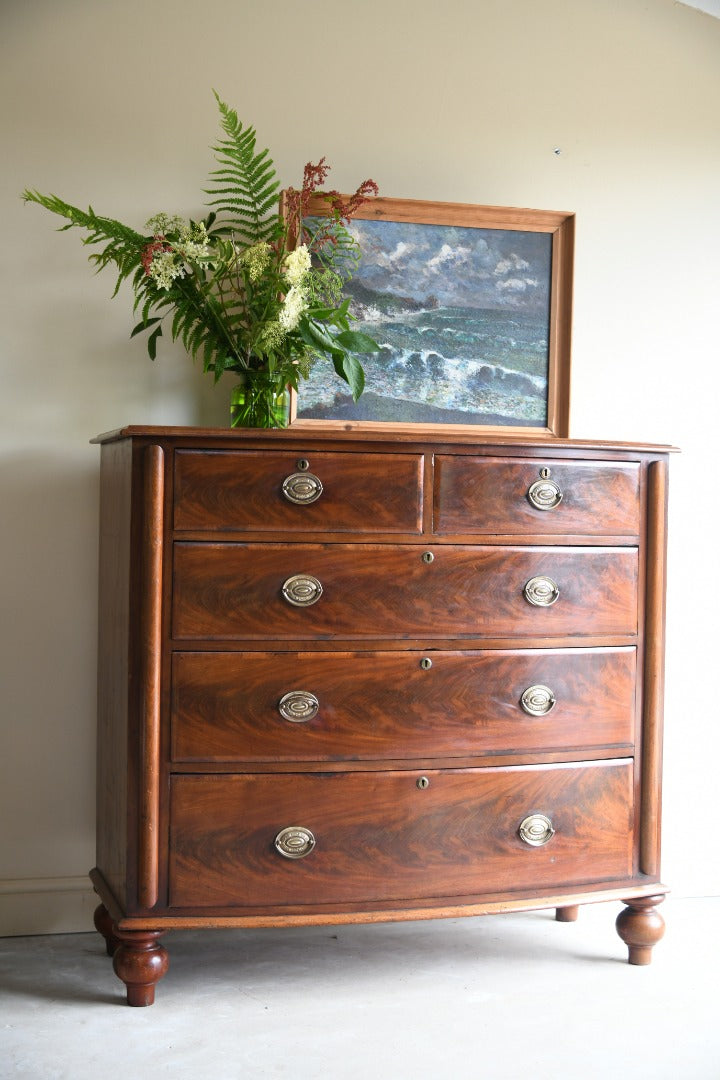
(640,926)
(104,925)
(567,914)
(140,962)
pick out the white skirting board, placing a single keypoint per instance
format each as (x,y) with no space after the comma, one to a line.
(57,905)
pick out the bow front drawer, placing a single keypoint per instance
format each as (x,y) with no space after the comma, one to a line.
(522,497)
(274,491)
(262,840)
(392,705)
(279,591)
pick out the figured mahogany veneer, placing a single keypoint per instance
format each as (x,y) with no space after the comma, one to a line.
(372,591)
(419,740)
(380,837)
(388,705)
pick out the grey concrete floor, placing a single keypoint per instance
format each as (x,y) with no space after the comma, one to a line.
(510,997)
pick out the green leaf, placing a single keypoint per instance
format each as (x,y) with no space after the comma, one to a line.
(144,325)
(355,341)
(349,368)
(152,342)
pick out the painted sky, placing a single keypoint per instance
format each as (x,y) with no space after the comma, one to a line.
(462,267)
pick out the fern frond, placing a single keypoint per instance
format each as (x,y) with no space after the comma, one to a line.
(123,246)
(245,188)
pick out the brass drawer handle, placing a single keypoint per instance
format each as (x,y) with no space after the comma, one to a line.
(302,590)
(541,591)
(536,830)
(294,842)
(538,700)
(302,488)
(298,706)
(544,494)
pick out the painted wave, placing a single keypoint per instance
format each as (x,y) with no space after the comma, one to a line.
(458,361)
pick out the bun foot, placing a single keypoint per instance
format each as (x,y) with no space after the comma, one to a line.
(104,925)
(566,914)
(640,926)
(140,962)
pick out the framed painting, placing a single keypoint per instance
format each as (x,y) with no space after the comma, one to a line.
(471,306)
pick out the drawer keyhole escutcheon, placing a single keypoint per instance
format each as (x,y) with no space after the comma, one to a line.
(302,488)
(303,464)
(423,783)
(536,830)
(294,842)
(428,557)
(544,495)
(541,591)
(537,700)
(426,663)
(298,706)
(302,590)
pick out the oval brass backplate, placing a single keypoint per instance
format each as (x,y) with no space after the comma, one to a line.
(537,700)
(294,842)
(302,488)
(536,830)
(541,591)
(302,590)
(298,706)
(544,495)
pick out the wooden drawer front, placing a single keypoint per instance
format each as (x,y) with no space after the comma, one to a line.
(365,493)
(236,591)
(226,706)
(490,495)
(380,837)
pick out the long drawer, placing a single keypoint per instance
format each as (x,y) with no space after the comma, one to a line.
(390,705)
(525,496)
(276,591)
(265,490)
(396,835)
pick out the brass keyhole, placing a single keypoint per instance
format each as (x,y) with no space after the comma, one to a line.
(423,783)
(426,663)
(303,464)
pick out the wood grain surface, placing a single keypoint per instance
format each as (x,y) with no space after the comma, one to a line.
(486,495)
(378,705)
(235,591)
(380,837)
(362,493)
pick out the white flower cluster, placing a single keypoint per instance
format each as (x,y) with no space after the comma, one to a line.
(256,259)
(294,304)
(192,242)
(297,264)
(176,242)
(162,224)
(164,268)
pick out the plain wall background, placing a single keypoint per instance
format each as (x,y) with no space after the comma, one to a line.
(111,104)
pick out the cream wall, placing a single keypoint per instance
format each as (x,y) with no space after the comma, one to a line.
(462,101)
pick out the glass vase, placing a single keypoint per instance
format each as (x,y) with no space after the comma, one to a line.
(259,400)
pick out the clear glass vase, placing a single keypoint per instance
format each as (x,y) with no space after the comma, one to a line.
(259,400)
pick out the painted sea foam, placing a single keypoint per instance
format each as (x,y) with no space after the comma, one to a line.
(442,363)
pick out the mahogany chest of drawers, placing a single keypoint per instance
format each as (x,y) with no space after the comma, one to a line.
(353,677)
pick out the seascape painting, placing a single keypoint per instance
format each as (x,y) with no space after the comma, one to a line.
(462,316)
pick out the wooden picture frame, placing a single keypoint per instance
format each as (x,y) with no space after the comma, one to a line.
(472,305)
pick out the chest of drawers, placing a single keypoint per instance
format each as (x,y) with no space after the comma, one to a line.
(352,677)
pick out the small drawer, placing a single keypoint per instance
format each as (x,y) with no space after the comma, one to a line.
(276,841)
(265,707)
(306,591)
(273,491)
(519,497)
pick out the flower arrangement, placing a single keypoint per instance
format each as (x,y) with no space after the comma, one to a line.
(248,290)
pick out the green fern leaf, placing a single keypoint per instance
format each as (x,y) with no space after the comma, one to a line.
(245,187)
